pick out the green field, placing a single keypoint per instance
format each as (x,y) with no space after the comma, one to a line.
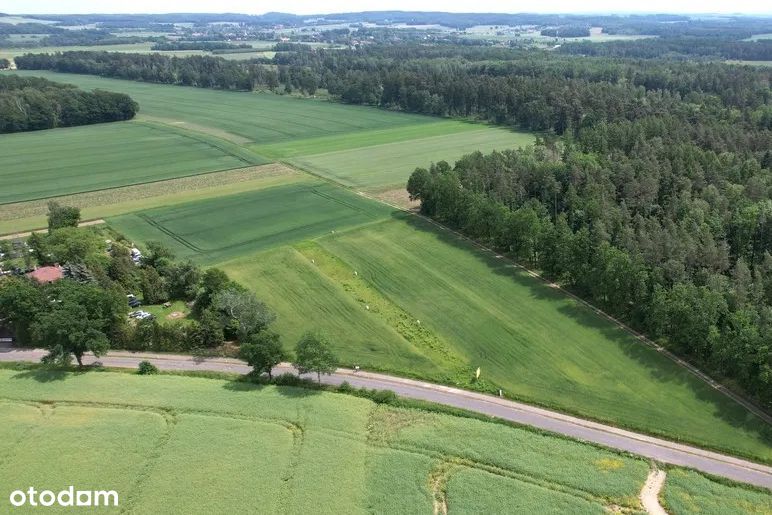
(687,491)
(57,162)
(24,216)
(154,440)
(476,310)
(388,165)
(282,449)
(258,117)
(228,226)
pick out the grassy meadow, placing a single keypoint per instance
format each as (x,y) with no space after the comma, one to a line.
(224,227)
(57,162)
(289,450)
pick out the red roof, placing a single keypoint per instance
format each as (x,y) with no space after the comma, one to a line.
(47,274)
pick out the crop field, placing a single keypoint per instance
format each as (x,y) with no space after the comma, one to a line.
(224,227)
(57,162)
(687,491)
(388,165)
(465,308)
(24,216)
(257,117)
(292,450)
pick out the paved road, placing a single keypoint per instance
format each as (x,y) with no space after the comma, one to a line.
(648,446)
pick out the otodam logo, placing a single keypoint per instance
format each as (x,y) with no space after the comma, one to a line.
(66,498)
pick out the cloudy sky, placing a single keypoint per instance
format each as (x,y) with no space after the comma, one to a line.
(315,7)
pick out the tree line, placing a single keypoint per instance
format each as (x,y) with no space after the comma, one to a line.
(32,103)
(675,241)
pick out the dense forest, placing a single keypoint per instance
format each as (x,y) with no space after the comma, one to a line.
(28,104)
(683,47)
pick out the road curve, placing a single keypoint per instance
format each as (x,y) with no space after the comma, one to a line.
(648,446)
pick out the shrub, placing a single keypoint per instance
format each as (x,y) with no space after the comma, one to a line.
(146,368)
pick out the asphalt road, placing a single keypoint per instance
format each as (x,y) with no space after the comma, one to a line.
(655,448)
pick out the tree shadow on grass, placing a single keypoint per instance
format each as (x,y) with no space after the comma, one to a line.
(49,375)
(659,368)
(288,385)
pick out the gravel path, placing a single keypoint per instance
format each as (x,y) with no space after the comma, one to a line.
(650,492)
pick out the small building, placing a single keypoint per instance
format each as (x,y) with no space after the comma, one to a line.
(47,274)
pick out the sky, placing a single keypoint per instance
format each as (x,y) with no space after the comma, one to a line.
(331,6)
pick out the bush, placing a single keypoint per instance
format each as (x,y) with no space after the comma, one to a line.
(147,368)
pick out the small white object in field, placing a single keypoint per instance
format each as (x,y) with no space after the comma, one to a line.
(418,322)
(314,262)
(501,394)
(356,273)
(367,307)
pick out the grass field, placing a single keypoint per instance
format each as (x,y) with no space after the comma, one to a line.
(57,162)
(388,165)
(258,117)
(225,227)
(475,310)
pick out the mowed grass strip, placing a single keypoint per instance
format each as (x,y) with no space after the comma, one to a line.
(538,344)
(385,166)
(21,216)
(225,227)
(258,117)
(57,162)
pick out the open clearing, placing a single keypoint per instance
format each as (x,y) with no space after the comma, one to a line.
(57,162)
(388,165)
(258,117)
(292,450)
(225,227)
(464,308)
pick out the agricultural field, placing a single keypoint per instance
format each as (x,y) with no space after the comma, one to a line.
(465,308)
(251,117)
(389,165)
(70,160)
(224,227)
(293,451)
(25,216)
